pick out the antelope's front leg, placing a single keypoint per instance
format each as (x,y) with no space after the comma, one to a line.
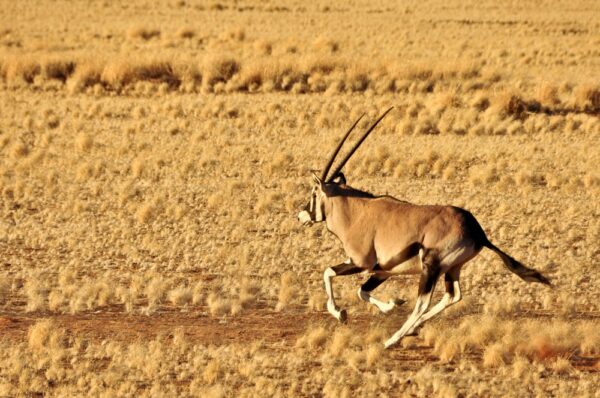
(346,268)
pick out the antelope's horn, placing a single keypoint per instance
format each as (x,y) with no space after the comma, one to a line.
(341,165)
(328,166)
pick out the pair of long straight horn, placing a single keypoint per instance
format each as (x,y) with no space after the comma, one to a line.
(335,152)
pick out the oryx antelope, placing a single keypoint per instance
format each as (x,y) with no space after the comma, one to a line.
(380,233)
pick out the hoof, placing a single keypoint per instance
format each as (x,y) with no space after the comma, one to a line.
(389,345)
(343,316)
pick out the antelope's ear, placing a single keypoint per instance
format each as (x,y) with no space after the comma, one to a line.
(340,179)
(316,179)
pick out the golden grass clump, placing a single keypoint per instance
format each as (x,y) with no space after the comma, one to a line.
(142,32)
(37,295)
(87,74)
(587,97)
(45,334)
(21,69)
(84,142)
(5,288)
(288,290)
(494,355)
(562,366)
(125,72)
(547,95)
(185,33)
(19,150)
(181,295)
(314,338)
(212,372)
(507,104)
(217,305)
(218,69)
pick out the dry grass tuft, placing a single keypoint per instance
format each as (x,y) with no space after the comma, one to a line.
(547,95)
(142,32)
(562,366)
(217,305)
(185,33)
(507,104)
(181,295)
(494,355)
(288,290)
(45,334)
(313,338)
(587,97)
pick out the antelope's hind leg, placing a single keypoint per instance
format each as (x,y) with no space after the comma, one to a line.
(429,277)
(371,284)
(346,268)
(451,297)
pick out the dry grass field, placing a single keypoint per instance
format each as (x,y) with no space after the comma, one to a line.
(154,156)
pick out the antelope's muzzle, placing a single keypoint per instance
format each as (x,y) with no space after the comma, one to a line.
(304,217)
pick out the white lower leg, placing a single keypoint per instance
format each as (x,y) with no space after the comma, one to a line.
(383,307)
(444,303)
(420,308)
(331,307)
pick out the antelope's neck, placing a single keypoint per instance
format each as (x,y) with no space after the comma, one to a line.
(338,215)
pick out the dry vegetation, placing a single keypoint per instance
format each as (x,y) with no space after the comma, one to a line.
(153,158)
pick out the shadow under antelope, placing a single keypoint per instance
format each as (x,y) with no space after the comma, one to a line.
(380,234)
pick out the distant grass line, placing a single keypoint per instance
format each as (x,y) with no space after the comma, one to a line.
(298,75)
(226,74)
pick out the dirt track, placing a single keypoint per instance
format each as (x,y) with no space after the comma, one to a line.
(278,330)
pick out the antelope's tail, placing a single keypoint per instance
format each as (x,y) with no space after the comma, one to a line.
(523,272)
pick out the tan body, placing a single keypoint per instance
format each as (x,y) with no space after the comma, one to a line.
(388,232)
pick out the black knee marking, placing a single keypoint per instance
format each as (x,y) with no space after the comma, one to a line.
(372,283)
(346,269)
(449,282)
(431,272)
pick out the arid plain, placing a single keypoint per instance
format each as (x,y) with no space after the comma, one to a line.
(153,158)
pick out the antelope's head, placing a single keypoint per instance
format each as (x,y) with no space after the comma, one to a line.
(314,211)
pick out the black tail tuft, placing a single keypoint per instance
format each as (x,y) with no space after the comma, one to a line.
(523,272)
